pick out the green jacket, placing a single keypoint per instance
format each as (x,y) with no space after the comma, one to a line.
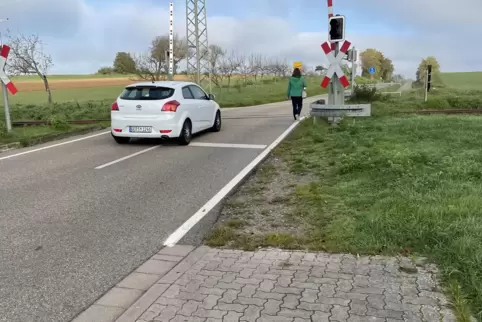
(296,86)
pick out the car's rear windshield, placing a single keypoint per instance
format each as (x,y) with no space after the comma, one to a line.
(146,93)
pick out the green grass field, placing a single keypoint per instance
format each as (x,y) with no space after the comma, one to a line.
(465,81)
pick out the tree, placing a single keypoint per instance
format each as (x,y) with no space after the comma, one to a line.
(214,61)
(319,68)
(124,63)
(230,65)
(28,56)
(375,58)
(398,78)
(422,70)
(370,58)
(255,63)
(386,68)
(105,70)
(154,64)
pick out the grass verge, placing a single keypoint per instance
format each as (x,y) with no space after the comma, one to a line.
(386,185)
(31,135)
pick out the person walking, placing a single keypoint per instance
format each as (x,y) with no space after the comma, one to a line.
(296,87)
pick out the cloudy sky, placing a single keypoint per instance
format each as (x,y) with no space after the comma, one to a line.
(83,35)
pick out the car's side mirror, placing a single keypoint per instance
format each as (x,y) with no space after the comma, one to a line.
(211,97)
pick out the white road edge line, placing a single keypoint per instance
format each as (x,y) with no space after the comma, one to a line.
(53,145)
(228,145)
(177,235)
(126,157)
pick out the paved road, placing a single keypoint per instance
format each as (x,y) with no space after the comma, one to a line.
(406,86)
(69,231)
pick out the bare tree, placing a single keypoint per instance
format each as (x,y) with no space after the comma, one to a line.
(148,67)
(264,67)
(230,66)
(154,65)
(244,69)
(28,56)
(214,58)
(284,67)
(255,62)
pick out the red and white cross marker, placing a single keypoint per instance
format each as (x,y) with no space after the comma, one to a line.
(3,76)
(335,64)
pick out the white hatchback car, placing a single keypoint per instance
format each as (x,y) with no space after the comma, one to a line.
(165,110)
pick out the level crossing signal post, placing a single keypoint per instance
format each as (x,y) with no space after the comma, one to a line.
(336,49)
(428,81)
(336,34)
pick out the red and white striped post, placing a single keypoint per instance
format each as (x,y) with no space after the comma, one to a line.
(330,14)
(6,84)
(3,76)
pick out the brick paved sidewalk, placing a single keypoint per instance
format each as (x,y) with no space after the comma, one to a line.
(210,285)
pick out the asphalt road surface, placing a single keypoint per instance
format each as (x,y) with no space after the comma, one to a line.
(77,218)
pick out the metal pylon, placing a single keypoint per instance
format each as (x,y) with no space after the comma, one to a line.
(197,39)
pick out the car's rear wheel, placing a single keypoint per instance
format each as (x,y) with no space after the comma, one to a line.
(217,122)
(121,139)
(186,133)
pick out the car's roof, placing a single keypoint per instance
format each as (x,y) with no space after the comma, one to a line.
(172,84)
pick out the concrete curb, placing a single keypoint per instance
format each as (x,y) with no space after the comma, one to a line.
(126,301)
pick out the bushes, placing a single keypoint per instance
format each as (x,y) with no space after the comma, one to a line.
(105,71)
(367,94)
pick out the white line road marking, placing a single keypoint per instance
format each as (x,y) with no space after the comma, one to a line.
(228,145)
(177,235)
(53,145)
(126,157)
(193,144)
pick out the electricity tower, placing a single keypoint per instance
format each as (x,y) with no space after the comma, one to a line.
(197,39)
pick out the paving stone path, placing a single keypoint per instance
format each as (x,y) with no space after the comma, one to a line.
(211,285)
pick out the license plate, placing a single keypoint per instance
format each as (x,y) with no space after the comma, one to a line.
(140,129)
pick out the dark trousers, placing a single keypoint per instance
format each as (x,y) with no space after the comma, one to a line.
(297,102)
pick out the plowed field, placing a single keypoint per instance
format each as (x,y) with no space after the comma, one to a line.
(32,86)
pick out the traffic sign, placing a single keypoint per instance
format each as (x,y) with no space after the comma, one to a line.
(3,76)
(335,64)
(372,70)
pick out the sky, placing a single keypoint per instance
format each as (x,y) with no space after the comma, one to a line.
(84,35)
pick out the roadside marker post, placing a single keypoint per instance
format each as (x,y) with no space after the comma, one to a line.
(171,41)
(6,85)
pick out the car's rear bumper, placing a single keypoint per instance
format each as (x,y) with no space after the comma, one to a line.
(160,129)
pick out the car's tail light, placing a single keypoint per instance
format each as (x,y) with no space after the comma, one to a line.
(114,106)
(170,106)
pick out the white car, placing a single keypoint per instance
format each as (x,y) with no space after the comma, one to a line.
(163,110)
